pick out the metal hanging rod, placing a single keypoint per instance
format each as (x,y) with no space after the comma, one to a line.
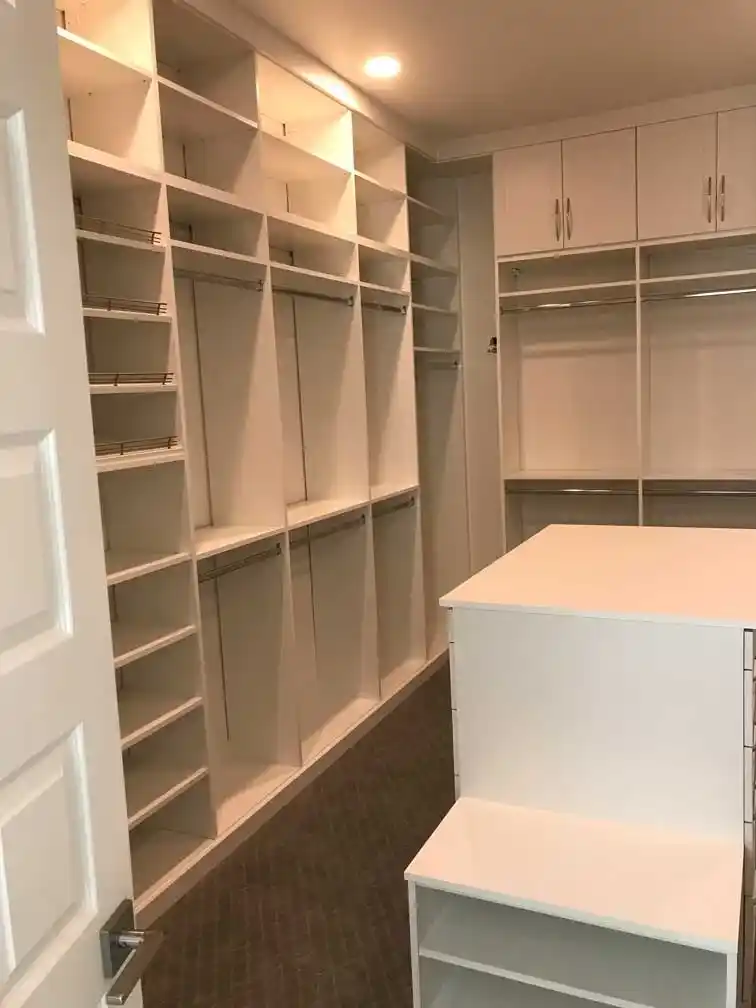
(218,278)
(315,295)
(582,491)
(116,378)
(695,492)
(403,506)
(645,297)
(311,537)
(377,306)
(216,572)
(123,304)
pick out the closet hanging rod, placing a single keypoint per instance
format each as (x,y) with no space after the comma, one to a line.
(586,491)
(216,572)
(315,295)
(403,506)
(218,278)
(311,537)
(377,306)
(668,296)
(695,492)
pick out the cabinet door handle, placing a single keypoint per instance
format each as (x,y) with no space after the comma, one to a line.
(722,210)
(558,219)
(569,218)
(709,195)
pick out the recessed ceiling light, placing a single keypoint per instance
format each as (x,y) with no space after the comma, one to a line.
(383,66)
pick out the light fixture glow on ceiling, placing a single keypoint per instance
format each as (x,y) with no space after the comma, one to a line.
(383,67)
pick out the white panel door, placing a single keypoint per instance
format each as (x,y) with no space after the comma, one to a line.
(676,177)
(64,856)
(528,211)
(599,189)
(736,169)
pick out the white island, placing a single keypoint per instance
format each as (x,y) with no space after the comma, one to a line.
(602,693)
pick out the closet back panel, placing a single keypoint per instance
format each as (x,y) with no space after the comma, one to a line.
(527,514)
(700,367)
(122,26)
(575,385)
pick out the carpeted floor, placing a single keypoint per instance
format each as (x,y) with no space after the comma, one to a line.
(311,912)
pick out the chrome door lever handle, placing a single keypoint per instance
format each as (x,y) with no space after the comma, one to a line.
(126,953)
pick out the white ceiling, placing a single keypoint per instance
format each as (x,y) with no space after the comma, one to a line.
(476,66)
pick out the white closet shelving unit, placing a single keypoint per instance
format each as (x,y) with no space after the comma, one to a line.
(625,346)
(260,292)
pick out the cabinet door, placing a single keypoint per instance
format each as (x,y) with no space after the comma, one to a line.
(676,183)
(528,212)
(599,189)
(736,168)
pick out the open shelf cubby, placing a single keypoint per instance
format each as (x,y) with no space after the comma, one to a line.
(170,841)
(397,543)
(533,959)
(379,158)
(383,264)
(335,631)
(205,60)
(700,504)
(125,356)
(158,690)
(151,612)
(144,520)
(163,766)
(321,378)
(140,422)
(246,633)
(231,408)
(122,29)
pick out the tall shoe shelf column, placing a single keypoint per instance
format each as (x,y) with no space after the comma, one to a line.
(107,62)
(432,207)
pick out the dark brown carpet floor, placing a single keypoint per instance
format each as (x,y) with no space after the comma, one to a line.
(311,912)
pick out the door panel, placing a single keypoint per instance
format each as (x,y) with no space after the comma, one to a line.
(599,189)
(676,177)
(64,857)
(736,168)
(528,212)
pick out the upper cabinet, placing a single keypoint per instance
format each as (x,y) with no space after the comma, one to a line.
(736,168)
(677,177)
(697,175)
(528,199)
(565,195)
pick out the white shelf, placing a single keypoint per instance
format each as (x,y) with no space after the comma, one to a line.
(125,316)
(590,291)
(380,252)
(144,714)
(243,787)
(189,116)
(122,565)
(133,642)
(300,279)
(399,677)
(426,214)
(641,881)
(203,202)
(212,540)
(385,491)
(87,67)
(133,388)
(193,258)
(370,190)
(463,988)
(422,265)
(289,231)
(131,243)
(138,460)
(329,733)
(160,857)
(309,512)
(282,159)
(148,789)
(571,475)
(437,352)
(106,172)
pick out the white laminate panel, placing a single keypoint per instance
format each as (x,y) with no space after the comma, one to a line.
(609,719)
(452,678)
(749,865)
(747,952)
(748,783)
